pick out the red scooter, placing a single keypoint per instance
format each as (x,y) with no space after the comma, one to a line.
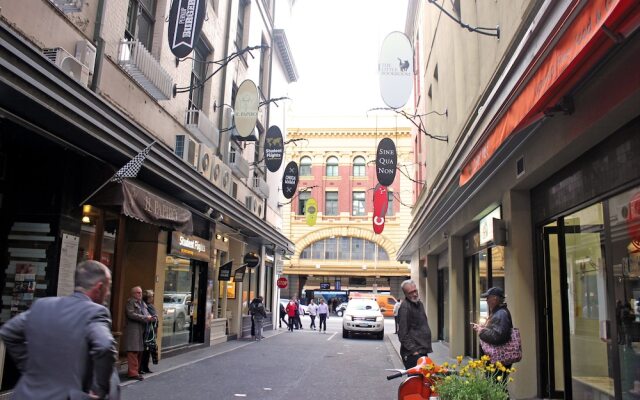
(420,381)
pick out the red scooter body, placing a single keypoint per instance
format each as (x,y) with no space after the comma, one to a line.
(418,385)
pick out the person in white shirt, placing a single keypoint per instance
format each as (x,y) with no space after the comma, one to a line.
(323,313)
(396,307)
(313,311)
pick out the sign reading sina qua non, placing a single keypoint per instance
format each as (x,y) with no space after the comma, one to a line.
(245,108)
(185,23)
(290,179)
(395,69)
(273,149)
(386,162)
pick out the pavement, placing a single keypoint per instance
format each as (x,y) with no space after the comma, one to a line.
(440,354)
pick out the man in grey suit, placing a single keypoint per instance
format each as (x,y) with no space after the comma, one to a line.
(63,346)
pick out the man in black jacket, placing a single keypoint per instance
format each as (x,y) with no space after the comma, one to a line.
(414,333)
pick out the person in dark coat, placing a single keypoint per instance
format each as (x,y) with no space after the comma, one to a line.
(151,333)
(137,319)
(413,326)
(283,313)
(259,315)
(497,329)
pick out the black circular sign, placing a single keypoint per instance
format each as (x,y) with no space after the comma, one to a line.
(273,149)
(290,179)
(185,23)
(386,162)
(252,260)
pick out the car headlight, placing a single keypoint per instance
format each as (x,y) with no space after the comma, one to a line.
(170,311)
(379,318)
(347,316)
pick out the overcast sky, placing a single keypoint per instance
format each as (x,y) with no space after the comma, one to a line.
(336,45)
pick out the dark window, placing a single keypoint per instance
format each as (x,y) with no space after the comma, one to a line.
(242,7)
(317,250)
(331,249)
(302,199)
(331,203)
(344,248)
(198,75)
(140,21)
(390,206)
(357,249)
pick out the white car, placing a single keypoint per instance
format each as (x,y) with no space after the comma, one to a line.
(363,316)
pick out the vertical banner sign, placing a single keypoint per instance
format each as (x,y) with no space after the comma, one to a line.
(311,211)
(245,108)
(395,68)
(224,274)
(185,23)
(380,205)
(273,149)
(386,162)
(290,180)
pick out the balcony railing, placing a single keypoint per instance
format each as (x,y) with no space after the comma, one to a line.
(145,69)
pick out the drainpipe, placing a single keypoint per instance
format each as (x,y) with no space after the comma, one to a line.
(97,39)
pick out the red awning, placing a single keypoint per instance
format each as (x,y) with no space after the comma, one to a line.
(581,46)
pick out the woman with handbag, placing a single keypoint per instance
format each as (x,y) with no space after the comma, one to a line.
(496,339)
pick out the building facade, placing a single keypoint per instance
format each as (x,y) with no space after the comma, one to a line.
(536,189)
(337,163)
(86,86)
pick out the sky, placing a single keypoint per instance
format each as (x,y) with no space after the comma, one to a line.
(336,45)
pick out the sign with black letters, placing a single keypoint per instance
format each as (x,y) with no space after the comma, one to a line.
(273,149)
(290,180)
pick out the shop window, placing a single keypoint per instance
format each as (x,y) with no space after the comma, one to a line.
(177,304)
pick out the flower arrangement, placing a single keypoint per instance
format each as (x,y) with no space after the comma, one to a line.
(474,380)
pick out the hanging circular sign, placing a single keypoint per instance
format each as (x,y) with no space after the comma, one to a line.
(282,282)
(245,108)
(386,162)
(273,149)
(311,211)
(252,260)
(290,180)
(395,69)
(185,23)
(380,205)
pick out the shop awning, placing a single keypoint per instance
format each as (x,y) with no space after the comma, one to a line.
(145,204)
(591,33)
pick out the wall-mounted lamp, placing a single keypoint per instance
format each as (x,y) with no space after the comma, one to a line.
(225,239)
(218,236)
(86,219)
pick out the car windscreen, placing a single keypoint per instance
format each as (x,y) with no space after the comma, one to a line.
(173,299)
(363,306)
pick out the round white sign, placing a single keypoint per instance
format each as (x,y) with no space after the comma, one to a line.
(245,108)
(395,68)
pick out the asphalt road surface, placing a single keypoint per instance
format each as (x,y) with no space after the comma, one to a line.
(303,364)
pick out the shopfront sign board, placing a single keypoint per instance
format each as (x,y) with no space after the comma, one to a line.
(273,149)
(190,246)
(487,226)
(386,162)
(245,108)
(185,23)
(395,69)
(290,180)
(224,274)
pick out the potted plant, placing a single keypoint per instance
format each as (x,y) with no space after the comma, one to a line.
(473,380)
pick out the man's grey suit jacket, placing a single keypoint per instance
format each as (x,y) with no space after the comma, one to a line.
(63,347)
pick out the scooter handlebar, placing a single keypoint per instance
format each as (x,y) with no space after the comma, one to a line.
(394,376)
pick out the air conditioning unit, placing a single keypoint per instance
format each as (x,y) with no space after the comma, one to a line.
(86,54)
(187,150)
(201,127)
(205,161)
(221,175)
(68,6)
(68,64)
(254,205)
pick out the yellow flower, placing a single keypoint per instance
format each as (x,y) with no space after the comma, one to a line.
(499,378)
(510,379)
(445,364)
(459,358)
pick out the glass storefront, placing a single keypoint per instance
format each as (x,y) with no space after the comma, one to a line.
(177,304)
(591,296)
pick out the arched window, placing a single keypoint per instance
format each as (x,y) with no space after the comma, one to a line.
(305,166)
(344,248)
(359,166)
(332,166)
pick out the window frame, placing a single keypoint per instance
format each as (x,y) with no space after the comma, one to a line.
(331,168)
(329,211)
(359,169)
(304,165)
(361,210)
